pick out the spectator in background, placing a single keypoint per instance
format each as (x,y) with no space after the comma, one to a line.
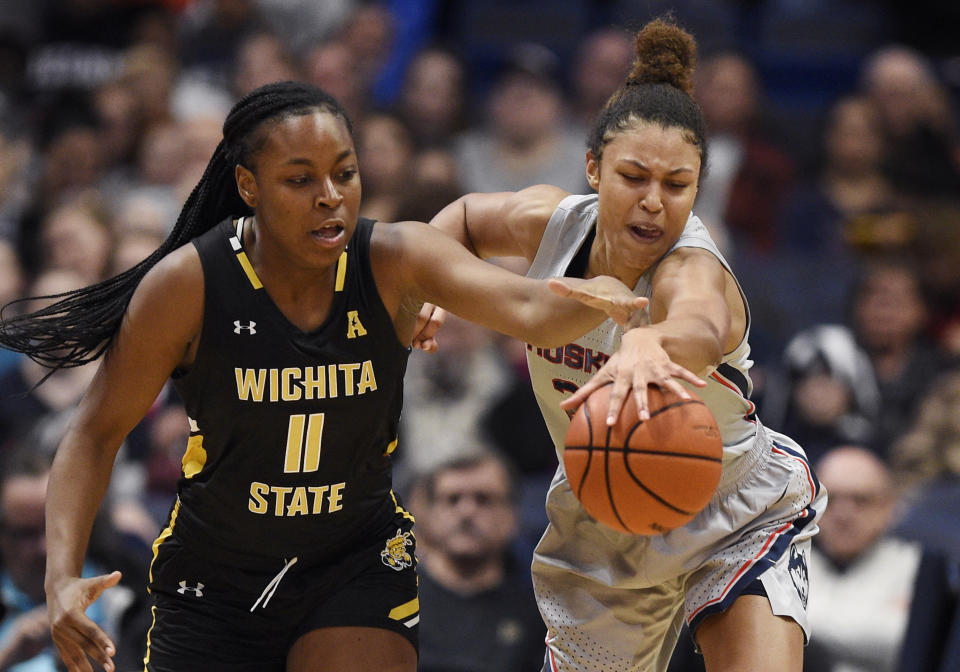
(938,245)
(433,97)
(16,158)
(861,382)
(849,183)
(929,451)
(447,392)
(863,575)
(932,640)
(151,74)
(23,404)
(209,34)
(120,126)
(479,612)
(923,146)
(385,152)
(76,237)
(526,137)
(828,224)
(829,395)
(601,62)
(889,316)
(25,642)
(369,31)
(13,283)
(261,58)
(749,175)
(926,460)
(334,67)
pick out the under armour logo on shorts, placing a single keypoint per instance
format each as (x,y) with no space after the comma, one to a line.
(197,590)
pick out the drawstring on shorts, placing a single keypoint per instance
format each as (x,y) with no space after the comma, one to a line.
(272,585)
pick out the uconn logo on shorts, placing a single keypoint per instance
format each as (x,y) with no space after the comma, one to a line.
(798,572)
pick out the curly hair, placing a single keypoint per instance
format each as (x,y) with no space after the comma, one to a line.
(658,89)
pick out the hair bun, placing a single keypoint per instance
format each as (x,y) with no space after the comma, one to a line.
(666,54)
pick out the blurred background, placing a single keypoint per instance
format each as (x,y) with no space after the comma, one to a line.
(833,188)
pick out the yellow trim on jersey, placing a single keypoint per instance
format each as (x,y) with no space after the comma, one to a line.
(392,446)
(341,271)
(406,514)
(195,456)
(405,609)
(153,622)
(248,269)
(167,531)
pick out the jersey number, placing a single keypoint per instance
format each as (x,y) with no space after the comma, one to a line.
(304,436)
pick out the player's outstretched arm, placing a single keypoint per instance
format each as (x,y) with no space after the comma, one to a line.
(427,266)
(161,322)
(689,329)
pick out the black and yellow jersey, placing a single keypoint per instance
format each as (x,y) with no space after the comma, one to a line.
(291,432)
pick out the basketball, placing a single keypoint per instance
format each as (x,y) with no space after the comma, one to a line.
(643,477)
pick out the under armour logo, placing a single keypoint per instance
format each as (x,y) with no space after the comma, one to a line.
(239,327)
(197,590)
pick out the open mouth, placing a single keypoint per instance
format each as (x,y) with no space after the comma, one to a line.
(645,232)
(328,232)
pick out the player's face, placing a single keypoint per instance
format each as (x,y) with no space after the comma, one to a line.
(647,181)
(305,188)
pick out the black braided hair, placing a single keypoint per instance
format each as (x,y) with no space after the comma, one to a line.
(79,326)
(659,89)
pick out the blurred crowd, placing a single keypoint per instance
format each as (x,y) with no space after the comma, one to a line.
(833,187)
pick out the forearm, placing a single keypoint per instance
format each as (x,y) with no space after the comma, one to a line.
(452,220)
(78,483)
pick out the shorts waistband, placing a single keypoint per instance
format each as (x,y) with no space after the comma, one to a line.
(754,458)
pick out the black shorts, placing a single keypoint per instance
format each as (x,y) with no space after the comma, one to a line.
(209,616)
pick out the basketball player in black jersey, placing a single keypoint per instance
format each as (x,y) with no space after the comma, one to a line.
(286,326)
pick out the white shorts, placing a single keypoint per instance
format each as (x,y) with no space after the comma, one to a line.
(615,602)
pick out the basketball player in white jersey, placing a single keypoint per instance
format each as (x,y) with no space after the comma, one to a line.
(737,573)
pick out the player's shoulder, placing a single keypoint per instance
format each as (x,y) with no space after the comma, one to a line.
(175,278)
(534,204)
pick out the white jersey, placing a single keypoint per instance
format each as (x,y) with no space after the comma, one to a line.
(615,602)
(558,372)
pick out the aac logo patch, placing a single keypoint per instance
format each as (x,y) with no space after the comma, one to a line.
(395,555)
(354,325)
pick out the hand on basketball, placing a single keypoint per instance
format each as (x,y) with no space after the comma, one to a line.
(429,321)
(641,361)
(75,635)
(604,293)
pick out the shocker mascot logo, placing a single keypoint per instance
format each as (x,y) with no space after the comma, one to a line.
(395,555)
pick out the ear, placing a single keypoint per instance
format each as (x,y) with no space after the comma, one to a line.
(593,171)
(246,185)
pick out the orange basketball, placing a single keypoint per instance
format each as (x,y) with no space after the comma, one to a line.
(644,477)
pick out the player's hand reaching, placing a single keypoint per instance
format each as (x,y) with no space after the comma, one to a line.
(604,293)
(79,639)
(640,361)
(429,321)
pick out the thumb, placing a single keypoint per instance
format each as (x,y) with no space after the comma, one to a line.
(94,587)
(559,287)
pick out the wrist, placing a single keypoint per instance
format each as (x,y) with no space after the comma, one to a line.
(639,318)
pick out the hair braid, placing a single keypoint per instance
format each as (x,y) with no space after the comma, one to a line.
(79,326)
